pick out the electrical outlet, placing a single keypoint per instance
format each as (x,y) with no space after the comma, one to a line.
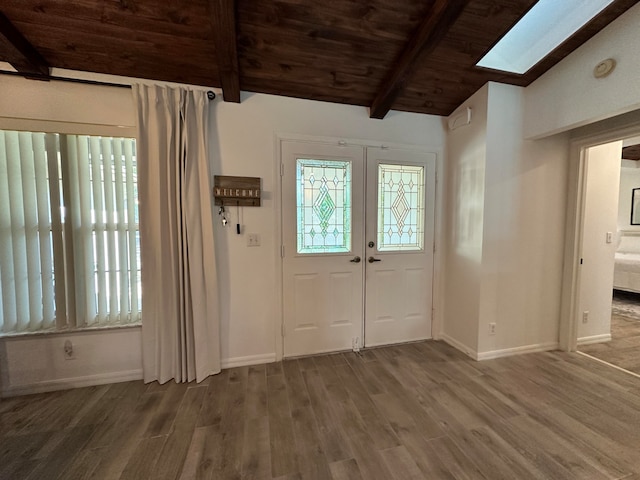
(69,354)
(585,316)
(253,240)
(492,328)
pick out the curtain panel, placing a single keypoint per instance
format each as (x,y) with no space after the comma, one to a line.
(180,315)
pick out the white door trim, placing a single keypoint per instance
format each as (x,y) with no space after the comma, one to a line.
(571,277)
(438,274)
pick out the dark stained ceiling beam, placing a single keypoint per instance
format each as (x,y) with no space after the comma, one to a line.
(631,152)
(436,24)
(223,22)
(27,60)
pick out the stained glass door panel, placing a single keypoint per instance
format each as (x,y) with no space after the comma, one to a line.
(400,207)
(323,202)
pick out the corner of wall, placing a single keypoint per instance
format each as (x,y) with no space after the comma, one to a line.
(464,211)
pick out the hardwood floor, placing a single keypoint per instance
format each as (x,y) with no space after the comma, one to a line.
(624,348)
(406,412)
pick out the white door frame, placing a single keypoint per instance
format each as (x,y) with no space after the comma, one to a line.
(438,258)
(576,195)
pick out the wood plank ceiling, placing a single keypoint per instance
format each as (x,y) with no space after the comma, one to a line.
(632,152)
(416,56)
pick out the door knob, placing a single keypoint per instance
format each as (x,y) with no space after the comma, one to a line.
(355,260)
(371,260)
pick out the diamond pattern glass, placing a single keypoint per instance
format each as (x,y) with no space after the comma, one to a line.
(400,207)
(323,196)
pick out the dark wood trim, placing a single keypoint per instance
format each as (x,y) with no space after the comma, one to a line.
(31,62)
(631,152)
(36,76)
(436,24)
(223,22)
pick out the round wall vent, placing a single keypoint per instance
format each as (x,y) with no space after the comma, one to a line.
(604,68)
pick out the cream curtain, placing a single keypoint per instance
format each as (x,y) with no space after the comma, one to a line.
(180,317)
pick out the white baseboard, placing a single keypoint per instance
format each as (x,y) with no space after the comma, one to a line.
(66,383)
(507,352)
(115,377)
(248,360)
(459,346)
(605,337)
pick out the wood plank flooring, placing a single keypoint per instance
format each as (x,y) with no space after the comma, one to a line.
(624,348)
(416,411)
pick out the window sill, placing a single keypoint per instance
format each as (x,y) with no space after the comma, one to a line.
(68,331)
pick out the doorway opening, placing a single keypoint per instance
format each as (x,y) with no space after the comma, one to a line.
(609,296)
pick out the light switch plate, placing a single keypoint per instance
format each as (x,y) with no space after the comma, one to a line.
(253,240)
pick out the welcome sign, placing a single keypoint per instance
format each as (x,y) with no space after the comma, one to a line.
(239,191)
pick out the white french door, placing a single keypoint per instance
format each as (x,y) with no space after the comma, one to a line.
(357,246)
(399,235)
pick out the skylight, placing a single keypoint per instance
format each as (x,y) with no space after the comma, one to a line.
(540,31)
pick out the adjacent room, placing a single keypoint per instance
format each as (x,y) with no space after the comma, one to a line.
(330,240)
(615,337)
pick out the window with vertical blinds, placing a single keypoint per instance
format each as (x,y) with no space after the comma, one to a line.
(69,240)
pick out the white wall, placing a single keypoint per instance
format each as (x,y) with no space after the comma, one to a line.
(629,179)
(35,363)
(523,231)
(568,96)
(243,142)
(600,217)
(246,144)
(72,103)
(465,191)
(513,274)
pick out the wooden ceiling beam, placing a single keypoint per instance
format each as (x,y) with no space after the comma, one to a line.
(27,59)
(223,22)
(436,24)
(631,152)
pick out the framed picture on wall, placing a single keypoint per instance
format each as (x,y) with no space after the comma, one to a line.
(635,206)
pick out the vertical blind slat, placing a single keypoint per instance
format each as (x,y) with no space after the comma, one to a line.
(31,229)
(18,234)
(111,229)
(44,229)
(123,257)
(71,186)
(132,227)
(9,312)
(52,146)
(85,263)
(99,226)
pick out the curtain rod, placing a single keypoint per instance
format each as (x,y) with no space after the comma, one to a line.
(210,94)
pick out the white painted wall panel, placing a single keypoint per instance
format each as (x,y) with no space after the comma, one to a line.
(600,217)
(465,190)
